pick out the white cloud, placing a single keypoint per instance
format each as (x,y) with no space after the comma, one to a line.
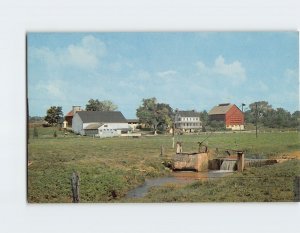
(166,73)
(234,72)
(291,75)
(84,55)
(53,89)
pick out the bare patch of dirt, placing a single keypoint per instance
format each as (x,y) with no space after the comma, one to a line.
(290,155)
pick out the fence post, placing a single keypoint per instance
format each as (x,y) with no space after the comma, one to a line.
(75,187)
(240,161)
(178,147)
(297,189)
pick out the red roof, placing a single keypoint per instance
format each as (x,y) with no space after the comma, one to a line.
(70,113)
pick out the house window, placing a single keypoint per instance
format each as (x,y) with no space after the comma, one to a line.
(105,126)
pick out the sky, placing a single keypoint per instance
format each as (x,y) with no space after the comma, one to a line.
(187,70)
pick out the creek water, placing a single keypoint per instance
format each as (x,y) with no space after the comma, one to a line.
(228,165)
(178,178)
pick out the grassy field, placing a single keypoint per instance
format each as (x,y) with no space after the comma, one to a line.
(264,184)
(109,168)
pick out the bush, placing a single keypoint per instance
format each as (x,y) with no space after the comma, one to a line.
(217,125)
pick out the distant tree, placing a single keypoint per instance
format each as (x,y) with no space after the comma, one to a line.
(296,119)
(54,115)
(296,114)
(265,115)
(35,118)
(96,105)
(249,116)
(204,117)
(268,118)
(155,114)
(260,107)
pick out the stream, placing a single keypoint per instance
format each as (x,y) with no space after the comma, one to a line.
(180,178)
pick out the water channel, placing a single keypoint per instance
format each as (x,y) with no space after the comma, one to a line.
(178,178)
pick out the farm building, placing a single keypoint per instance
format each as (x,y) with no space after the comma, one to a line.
(133,123)
(70,114)
(100,124)
(187,121)
(230,114)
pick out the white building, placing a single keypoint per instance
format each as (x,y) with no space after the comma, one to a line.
(99,124)
(187,121)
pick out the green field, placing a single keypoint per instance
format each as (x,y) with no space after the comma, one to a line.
(109,168)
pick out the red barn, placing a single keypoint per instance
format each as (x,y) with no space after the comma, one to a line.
(230,114)
(70,114)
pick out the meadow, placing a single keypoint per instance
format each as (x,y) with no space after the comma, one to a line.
(109,168)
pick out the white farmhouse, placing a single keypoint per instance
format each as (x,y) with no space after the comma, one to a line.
(187,121)
(99,124)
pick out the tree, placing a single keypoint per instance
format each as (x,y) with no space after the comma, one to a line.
(260,108)
(296,119)
(96,105)
(257,111)
(155,114)
(204,117)
(282,118)
(54,115)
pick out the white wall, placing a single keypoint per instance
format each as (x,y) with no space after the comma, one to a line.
(77,124)
(115,126)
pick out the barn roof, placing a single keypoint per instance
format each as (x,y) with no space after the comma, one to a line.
(101,117)
(220,109)
(93,126)
(70,113)
(191,113)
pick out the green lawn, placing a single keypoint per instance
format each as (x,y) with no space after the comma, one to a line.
(264,184)
(116,165)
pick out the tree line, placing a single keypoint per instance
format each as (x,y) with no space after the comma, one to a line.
(263,113)
(160,116)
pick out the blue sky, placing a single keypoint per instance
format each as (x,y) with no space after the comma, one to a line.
(188,70)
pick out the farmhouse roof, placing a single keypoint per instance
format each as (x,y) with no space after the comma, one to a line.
(220,109)
(99,116)
(191,113)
